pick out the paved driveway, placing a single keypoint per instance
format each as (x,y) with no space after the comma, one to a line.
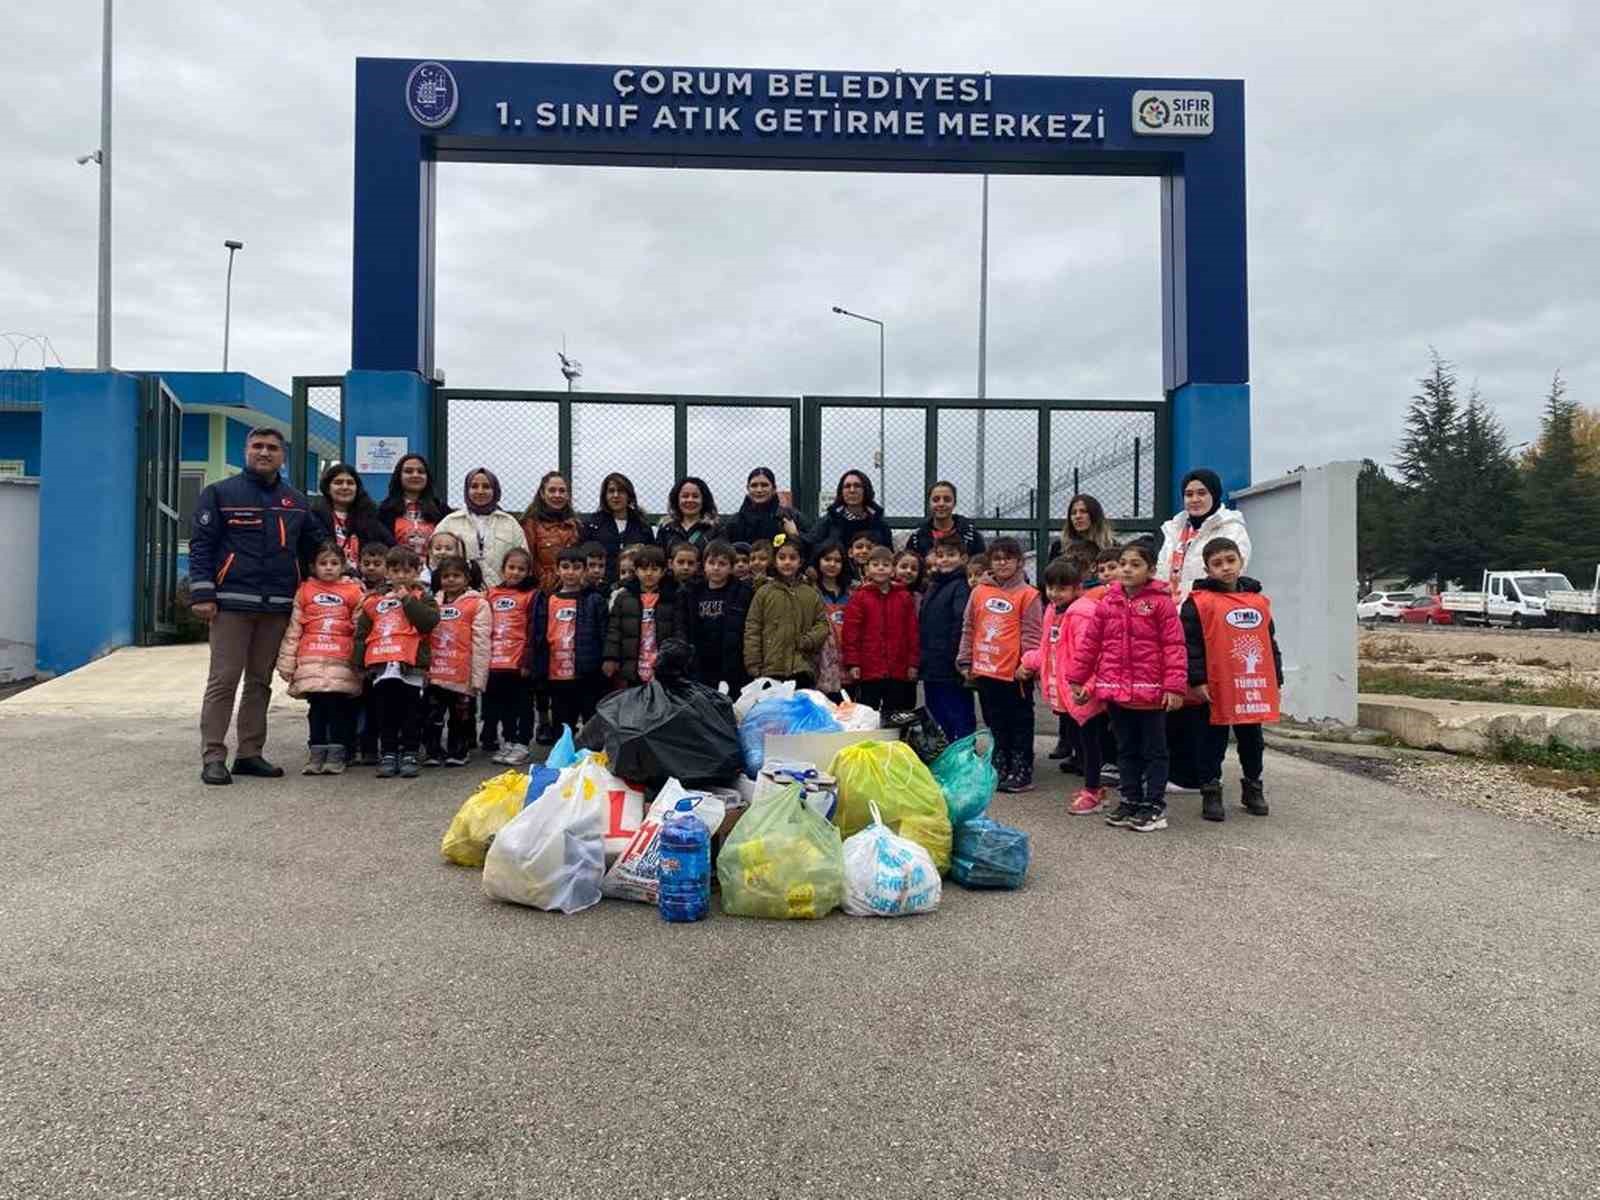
(279,989)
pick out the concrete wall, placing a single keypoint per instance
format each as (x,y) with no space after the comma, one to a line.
(19,551)
(1303,549)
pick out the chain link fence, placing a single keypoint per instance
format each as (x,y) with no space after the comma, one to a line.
(317,425)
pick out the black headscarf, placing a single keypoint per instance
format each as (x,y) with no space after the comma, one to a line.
(1213,484)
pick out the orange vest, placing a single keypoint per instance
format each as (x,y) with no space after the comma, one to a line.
(411,530)
(1240,674)
(508,632)
(392,638)
(328,618)
(451,660)
(561,635)
(647,637)
(997,629)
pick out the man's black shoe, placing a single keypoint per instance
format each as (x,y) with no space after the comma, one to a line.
(215,773)
(258,767)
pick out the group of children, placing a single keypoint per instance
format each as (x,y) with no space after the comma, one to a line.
(400,665)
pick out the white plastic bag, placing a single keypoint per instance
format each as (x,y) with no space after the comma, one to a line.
(820,699)
(551,855)
(886,875)
(857,718)
(758,690)
(634,875)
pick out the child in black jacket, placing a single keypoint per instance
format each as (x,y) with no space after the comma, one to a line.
(569,636)
(944,605)
(713,610)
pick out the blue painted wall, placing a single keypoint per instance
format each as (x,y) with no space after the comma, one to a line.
(233,443)
(19,437)
(89,450)
(388,404)
(196,441)
(1210,428)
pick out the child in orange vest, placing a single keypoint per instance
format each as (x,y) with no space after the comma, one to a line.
(569,636)
(314,659)
(1227,626)
(1071,609)
(508,696)
(391,642)
(459,670)
(1001,624)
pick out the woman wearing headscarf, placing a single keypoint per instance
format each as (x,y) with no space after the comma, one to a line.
(691,516)
(550,526)
(945,524)
(618,522)
(412,509)
(348,513)
(854,511)
(487,531)
(1180,563)
(1183,539)
(763,515)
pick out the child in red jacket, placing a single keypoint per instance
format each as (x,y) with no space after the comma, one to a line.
(880,644)
(1134,651)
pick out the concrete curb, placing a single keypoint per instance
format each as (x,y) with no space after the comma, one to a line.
(1473,727)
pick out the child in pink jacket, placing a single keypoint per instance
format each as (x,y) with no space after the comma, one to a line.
(1133,648)
(1069,612)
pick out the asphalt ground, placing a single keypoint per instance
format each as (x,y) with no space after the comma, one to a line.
(280,989)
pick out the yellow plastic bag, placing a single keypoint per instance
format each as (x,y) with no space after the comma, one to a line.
(782,861)
(891,775)
(481,816)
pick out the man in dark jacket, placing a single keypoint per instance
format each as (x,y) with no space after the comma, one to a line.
(944,605)
(249,536)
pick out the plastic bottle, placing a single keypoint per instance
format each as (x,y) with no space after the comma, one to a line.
(685,865)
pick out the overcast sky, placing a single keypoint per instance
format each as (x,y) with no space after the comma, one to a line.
(1419,173)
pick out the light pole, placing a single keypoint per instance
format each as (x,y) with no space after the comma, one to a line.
(983,340)
(883,487)
(102,158)
(227,301)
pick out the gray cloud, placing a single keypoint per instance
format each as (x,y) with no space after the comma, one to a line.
(1418,174)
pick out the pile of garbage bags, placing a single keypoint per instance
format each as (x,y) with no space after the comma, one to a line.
(872,830)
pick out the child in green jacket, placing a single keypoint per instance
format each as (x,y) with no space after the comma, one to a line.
(787,626)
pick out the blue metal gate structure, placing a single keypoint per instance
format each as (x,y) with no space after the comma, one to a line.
(156,533)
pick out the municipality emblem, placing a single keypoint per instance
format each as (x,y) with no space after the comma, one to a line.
(431,95)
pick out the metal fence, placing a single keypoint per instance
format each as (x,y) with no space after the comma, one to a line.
(652,439)
(316,435)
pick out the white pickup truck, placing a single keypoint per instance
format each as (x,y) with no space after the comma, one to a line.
(1514,598)
(1575,610)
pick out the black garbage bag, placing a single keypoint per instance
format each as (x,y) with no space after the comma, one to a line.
(670,727)
(918,728)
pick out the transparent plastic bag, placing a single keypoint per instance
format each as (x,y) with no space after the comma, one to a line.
(794,714)
(990,855)
(886,875)
(781,861)
(890,775)
(967,777)
(552,854)
(757,690)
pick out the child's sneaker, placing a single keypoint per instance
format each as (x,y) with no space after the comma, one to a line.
(1149,820)
(456,758)
(1022,777)
(408,766)
(388,766)
(1211,801)
(316,760)
(514,755)
(1124,816)
(337,757)
(1253,797)
(1086,802)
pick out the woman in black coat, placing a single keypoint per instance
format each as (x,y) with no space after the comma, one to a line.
(762,516)
(618,522)
(854,511)
(691,516)
(348,514)
(412,509)
(945,524)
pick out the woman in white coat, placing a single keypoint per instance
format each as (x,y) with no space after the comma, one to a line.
(1182,561)
(1183,538)
(487,531)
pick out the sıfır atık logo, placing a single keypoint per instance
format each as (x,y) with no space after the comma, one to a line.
(431,95)
(1174,114)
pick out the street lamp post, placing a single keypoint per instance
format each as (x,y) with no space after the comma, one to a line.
(983,343)
(883,486)
(227,300)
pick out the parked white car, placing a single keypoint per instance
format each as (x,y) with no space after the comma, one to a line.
(1383,606)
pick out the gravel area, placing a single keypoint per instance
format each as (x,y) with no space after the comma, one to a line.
(1579,650)
(1504,790)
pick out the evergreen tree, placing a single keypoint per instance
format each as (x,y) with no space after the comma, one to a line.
(1484,487)
(1559,528)
(1380,524)
(1432,539)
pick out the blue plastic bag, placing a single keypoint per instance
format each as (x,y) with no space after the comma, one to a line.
(563,753)
(988,854)
(967,778)
(541,775)
(796,714)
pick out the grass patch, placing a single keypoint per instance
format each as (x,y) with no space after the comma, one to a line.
(1554,754)
(1384,648)
(1572,691)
